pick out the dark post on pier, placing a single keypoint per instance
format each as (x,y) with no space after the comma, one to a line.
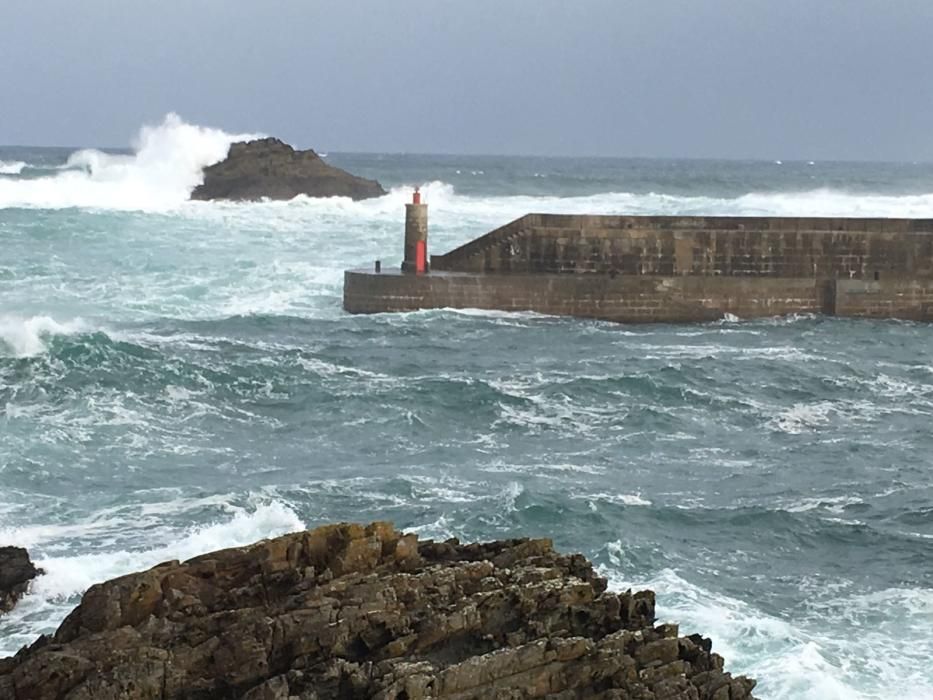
(416,235)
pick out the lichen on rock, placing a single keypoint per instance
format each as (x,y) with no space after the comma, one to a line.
(354,611)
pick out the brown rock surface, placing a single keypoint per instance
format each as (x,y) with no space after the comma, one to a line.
(353,611)
(273,169)
(16,571)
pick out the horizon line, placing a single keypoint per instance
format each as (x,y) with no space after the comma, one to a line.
(450,154)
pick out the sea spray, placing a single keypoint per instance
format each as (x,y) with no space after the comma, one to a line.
(22,337)
(66,575)
(166,164)
(168,160)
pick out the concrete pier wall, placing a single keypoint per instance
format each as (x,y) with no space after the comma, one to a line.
(624,299)
(673,269)
(709,246)
(904,299)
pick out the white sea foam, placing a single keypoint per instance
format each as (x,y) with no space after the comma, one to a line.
(886,386)
(166,165)
(625,499)
(445,490)
(36,535)
(66,577)
(440,529)
(11,167)
(169,157)
(508,497)
(801,418)
(700,351)
(69,576)
(23,337)
(550,470)
(811,417)
(822,202)
(805,658)
(834,504)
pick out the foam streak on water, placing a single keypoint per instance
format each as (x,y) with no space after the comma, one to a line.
(177,377)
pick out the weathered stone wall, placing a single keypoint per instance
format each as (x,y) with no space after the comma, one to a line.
(777,247)
(904,299)
(662,268)
(622,298)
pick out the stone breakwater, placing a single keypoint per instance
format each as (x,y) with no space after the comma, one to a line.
(353,611)
(671,269)
(16,571)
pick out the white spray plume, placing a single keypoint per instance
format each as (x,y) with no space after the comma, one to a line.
(166,165)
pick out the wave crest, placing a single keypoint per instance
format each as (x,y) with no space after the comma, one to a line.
(23,337)
(494,209)
(68,575)
(165,166)
(11,168)
(805,659)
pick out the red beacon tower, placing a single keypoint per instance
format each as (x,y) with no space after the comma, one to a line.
(416,235)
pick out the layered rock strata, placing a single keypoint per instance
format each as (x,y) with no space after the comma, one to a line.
(269,168)
(352,611)
(16,571)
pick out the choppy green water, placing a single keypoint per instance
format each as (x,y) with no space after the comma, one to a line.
(176,378)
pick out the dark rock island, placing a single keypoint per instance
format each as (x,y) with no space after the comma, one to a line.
(270,168)
(16,571)
(352,611)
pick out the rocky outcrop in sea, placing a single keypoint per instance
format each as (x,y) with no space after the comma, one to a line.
(270,168)
(353,611)
(16,571)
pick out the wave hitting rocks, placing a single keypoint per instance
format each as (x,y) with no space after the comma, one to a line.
(16,571)
(353,611)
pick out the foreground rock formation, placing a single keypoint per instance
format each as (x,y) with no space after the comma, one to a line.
(16,571)
(273,169)
(348,611)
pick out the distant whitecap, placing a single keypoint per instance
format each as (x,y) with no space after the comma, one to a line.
(11,168)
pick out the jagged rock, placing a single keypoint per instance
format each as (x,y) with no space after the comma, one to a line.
(273,169)
(353,611)
(16,571)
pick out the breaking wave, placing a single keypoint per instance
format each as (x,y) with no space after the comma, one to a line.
(11,168)
(69,575)
(165,166)
(497,209)
(806,659)
(823,202)
(169,157)
(764,476)
(22,337)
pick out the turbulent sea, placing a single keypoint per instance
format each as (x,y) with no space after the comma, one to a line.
(178,377)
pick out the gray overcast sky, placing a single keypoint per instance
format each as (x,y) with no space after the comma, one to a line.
(821,79)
